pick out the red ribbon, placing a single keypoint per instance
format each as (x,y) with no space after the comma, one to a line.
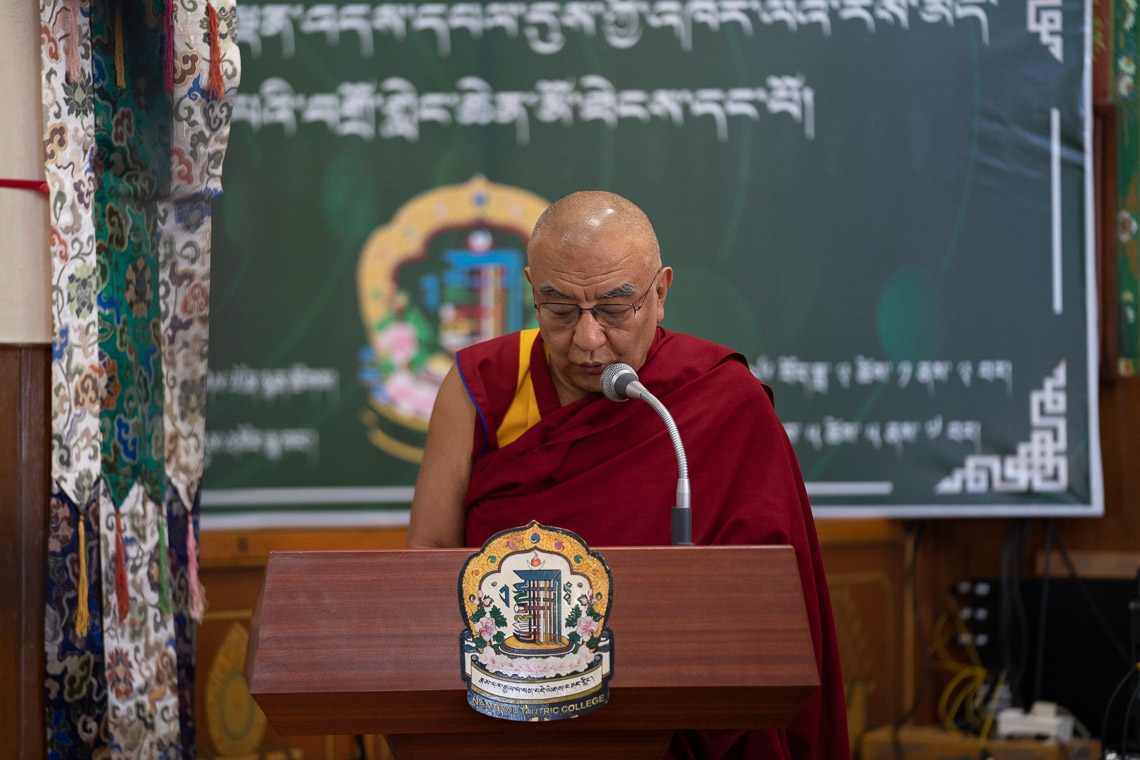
(25,184)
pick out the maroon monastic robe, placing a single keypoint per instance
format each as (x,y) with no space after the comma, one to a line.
(607,471)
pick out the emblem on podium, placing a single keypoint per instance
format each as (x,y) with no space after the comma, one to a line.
(536,647)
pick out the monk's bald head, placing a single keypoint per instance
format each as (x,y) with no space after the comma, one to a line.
(583,223)
(595,250)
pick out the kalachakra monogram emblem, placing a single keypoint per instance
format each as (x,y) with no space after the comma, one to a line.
(444,273)
(536,646)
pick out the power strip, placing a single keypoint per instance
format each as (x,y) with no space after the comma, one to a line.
(1044,719)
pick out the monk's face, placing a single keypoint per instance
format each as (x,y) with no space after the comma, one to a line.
(595,264)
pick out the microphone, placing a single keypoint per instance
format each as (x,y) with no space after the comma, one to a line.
(619,383)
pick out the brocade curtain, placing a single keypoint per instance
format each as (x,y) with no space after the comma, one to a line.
(137,97)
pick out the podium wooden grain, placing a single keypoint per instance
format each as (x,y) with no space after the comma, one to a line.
(367,642)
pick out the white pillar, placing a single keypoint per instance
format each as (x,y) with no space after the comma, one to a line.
(25,266)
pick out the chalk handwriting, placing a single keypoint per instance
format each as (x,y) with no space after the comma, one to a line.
(246,440)
(820,377)
(273,383)
(546,27)
(396,109)
(892,434)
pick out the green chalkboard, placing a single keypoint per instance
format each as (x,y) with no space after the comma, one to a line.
(885,205)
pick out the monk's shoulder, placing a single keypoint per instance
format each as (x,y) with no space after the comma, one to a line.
(716,363)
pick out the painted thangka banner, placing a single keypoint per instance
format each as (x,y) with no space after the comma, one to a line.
(885,205)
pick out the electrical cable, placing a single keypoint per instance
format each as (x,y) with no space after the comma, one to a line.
(938,644)
(924,676)
(1108,707)
(959,701)
(1127,714)
(1019,608)
(1094,609)
(1043,614)
(1005,620)
(966,682)
(1011,607)
(992,711)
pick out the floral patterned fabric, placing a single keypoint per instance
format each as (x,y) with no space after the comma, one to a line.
(132,122)
(69,142)
(76,692)
(141,662)
(1126,60)
(136,119)
(198,143)
(199,135)
(180,519)
(76,689)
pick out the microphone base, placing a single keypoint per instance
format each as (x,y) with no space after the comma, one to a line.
(682,526)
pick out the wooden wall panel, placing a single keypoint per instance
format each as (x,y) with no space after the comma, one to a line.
(230,725)
(24,484)
(866,565)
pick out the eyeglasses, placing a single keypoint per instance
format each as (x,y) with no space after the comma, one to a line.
(605,314)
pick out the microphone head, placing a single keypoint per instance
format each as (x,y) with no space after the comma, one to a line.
(616,379)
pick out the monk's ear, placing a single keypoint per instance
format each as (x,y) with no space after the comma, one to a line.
(526,271)
(664,280)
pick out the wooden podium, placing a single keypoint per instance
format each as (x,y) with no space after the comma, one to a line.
(367,642)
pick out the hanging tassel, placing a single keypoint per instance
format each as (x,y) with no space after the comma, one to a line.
(197,592)
(217,85)
(82,614)
(71,48)
(120,75)
(163,564)
(121,589)
(168,56)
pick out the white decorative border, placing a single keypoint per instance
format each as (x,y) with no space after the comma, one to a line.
(1040,465)
(1044,18)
